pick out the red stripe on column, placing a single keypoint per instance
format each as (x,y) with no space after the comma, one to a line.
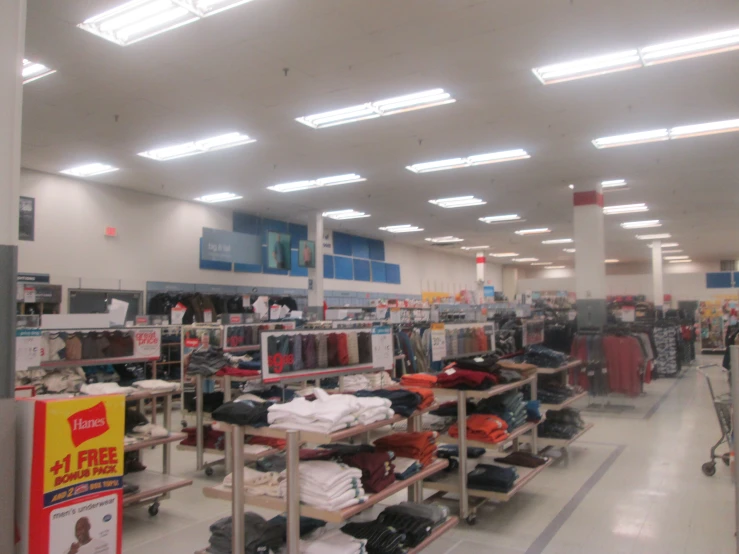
(588,198)
(480,258)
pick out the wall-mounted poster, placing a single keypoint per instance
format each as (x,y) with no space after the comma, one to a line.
(278,251)
(307,254)
(26,218)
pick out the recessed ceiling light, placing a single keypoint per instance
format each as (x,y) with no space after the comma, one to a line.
(640,137)
(34,70)
(569,250)
(474,247)
(524,232)
(703,45)
(212,144)
(219,197)
(641,224)
(504,255)
(614,185)
(141,19)
(669,245)
(444,240)
(480,159)
(555,267)
(500,218)
(523,260)
(612,261)
(684,131)
(675,251)
(318,183)
(557,241)
(458,202)
(654,237)
(677,257)
(345,214)
(371,110)
(625,209)
(89,170)
(681,261)
(542,263)
(401,229)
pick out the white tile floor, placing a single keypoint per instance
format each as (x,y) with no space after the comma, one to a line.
(633,485)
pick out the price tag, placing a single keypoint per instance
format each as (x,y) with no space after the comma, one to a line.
(394,315)
(177,313)
(142,320)
(208,316)
(438,342)
(382,348)
(29,295)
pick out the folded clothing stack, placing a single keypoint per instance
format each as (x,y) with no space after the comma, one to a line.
(259,535)
(212,439)
(330,486)
(533,410)
(526,370)
(464,379)
(541,356)
(418,380)
(402,401)
(448,451)
(237,371)
(523,459)
(429,422)
(561,424)
(510,407)
(378,470)
(243,412)
(486,364)
(379,380)
(155,385)
(427,396)
(329,413)
(206,361)
(95,389)
(145,431)
(354,383)
(420,446)
(260,483)
(491,477)
(406,468)
(450,409)
(483,428)
(332,541)
(552,391)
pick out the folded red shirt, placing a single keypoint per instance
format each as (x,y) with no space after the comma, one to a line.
(236,372)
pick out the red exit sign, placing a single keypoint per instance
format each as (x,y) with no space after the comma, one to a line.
(111,232)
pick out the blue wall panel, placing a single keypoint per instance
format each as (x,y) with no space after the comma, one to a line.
(297,233)
(247,223)
(343,268)
(296,270)
(719,280)
(328,266)
(342,244)
(361,270)
(376,250)
(360,247)
(378,272)
(392,273)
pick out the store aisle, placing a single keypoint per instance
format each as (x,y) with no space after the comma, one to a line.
(633,486)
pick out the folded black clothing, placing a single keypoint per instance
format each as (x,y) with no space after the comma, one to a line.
(490,477)
(416,529)
(449,409)
(274,393)
(523,459)
(380,538)
(307,524)
(488,364)
(403,402)
(434,512)
(506,376)
(541,356)
(134,418)
(259,534)
(566,416)
(552,430)
(340,450)
(277,462)
(452,451)
(243,413)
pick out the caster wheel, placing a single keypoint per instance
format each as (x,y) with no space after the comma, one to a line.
(727,459)
(153,509)
(709,469)
(471,520)
(209,471)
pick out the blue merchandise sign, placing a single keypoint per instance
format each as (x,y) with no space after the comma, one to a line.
(488,291)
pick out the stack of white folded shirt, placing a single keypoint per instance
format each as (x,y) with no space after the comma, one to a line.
(353,383)
(332,541)
(105,388)
(379,380)
(155,385)
(328,413)
(330,486)
(259,483)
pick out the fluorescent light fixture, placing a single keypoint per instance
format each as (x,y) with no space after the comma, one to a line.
(640,137)
(475,247)
(458,202)
(504,255)
(212,144)
(524,232)
(677,257)
(613,184)
(555,267)
(557,241)
(612,261)
(681,261)
(675,251)
(701,129)
(444,240)
(345,214)
(371,110)
(219,197)
(703,45)
(654,237)
(480,159)
(34,70)
(670,245)
(141,19)
(500,218)
(318,183)
(569,250)
(522,260)
(588,67)
(89,170)
(625,209)
(542,263)
(401,229)
(641,224)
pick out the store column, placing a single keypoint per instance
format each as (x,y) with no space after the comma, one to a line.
(658,288)
(590,266)
(315,275)
(510,283)
(12,37)
(480,260)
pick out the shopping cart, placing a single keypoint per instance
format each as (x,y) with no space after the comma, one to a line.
(722,405)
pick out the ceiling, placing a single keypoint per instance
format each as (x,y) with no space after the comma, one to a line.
(257,67)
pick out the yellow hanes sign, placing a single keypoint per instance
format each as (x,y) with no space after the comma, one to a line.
(83,447)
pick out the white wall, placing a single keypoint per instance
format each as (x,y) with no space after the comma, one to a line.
(158,240)
(682,281)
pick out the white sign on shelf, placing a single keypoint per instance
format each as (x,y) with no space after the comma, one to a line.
(27,348)
(382,348)
(438,342)
(395,315)
(207,316)
(29,295)
(147,343)
(177,313)
(117,312)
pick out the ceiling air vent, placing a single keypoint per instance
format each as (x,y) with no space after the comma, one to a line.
(729,265)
